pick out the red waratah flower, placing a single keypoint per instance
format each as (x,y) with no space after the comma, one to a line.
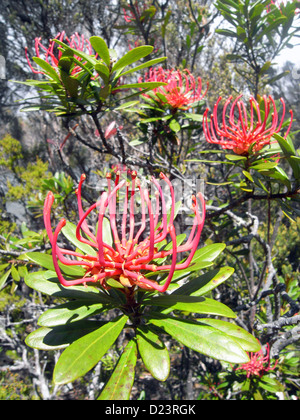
(136,248)
(259,363)
(52,57)
(181,90)
(243,133)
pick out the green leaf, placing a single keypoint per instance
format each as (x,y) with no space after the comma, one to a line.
(205,283)
(103,72)
(246,340)
(47,282)
(60,337)
(174,125)
(153,353)
(47,67)
(144,85)
(90,59)
(132,56)
(69,231)
(209,253)
(289,152)
(203,339)
(149,63)
(248,176)
(45,260)
(70,312)
(271,384)
(121,381)
(192,304)
(83,354)
(3,279)
(101,48)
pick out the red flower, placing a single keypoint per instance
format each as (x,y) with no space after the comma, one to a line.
(241,133)
(52,57)
(181,90)
(259,364)
(135,252)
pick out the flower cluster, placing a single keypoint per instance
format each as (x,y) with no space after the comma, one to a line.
(181,91)
(240,132)
(136,250)
(52,57)
(259,363)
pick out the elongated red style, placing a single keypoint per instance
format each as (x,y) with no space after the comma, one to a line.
(259,363)
(52,56)
(137,241)
(181,91)
(242,132)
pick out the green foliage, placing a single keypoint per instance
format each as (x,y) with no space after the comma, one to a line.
(86,342)
(95,87)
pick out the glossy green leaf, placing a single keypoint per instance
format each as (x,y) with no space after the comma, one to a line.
(246,340)
(203,339)
(289,152)
(192,304)
(153,353)
(132,56)
(60,337)
(47,282)
(103,72)
(70,312)
(4,278)
(149,63)
(90,59)
(209,253)
(101,48)
(205,283)
(83,354)
(69,231)
(121,381)
(271,384)
(45,260)
(47,67)
(143,85)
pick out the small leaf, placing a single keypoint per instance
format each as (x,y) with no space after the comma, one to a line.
(174,125)
(144,85)
(83,354)
(153,353)
(132,56)
(69,231)
(3,279)
(121,381)
(101,48)
(47,67)
(149,63)
(103,72)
